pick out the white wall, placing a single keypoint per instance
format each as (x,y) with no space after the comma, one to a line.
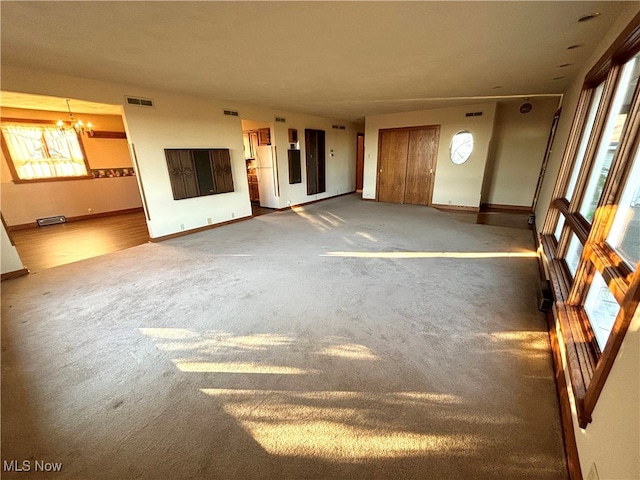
(340,168)
(179,121)
(459,185)
(518,148)
(23,202)
(612,439)
(10,259)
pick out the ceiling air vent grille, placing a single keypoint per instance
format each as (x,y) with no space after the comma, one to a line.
(338,127)
(231,113)
(141,102)
(473,114)
(281,119)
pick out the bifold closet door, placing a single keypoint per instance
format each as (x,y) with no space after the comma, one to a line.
(406,166)
(392,167)
(421,164)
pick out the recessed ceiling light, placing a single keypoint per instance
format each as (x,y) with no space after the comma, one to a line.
(588,16)
(571,47)
(565,65)
(558,78)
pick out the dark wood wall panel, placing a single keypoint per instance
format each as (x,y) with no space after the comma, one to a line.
(295,166)
(315,161)
(198,172)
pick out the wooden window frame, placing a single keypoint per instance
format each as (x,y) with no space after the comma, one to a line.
(15,178)
(589,365)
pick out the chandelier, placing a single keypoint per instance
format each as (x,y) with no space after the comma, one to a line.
(78,125)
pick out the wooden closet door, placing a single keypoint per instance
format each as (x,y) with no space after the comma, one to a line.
(421,165)
(392,166)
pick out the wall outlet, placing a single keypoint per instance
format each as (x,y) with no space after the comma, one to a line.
(233,215)
(182,226)
(209,221)
(593,473)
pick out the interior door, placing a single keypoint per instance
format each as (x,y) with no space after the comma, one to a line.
(393,147)
(421,165)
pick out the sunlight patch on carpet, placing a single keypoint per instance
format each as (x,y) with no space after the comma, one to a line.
(195,366)
(531,254)
(341,426)
(349,350)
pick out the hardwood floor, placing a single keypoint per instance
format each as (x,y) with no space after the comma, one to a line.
(498,219)
(45,247)
(257,210)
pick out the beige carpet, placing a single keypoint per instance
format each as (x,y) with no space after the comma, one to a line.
(347,339)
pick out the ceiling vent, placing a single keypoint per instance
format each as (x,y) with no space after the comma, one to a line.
(473,114)
(141,102)
(338,127)
(281,119)
(231,113)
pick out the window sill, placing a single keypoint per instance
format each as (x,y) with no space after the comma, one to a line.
(587,366)
(580,355)
(53,179)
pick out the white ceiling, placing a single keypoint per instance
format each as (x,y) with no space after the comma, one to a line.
(338,59)
(55,104)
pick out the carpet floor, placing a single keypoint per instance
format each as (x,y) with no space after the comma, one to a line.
(344,339)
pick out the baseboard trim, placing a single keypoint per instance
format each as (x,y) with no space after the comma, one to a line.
(79,218)
(199,229)
(455,208)
(15,274)
(536,239)
(313,201)
(500,208)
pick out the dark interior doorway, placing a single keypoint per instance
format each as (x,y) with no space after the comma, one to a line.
(359,161)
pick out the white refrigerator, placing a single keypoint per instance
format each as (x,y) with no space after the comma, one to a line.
(266,171)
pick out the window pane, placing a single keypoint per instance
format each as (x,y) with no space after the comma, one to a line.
(573,254)
(461,147)
(610,137)
(559,227)
(624,236)
(584,140)
(44,152)
(602,309)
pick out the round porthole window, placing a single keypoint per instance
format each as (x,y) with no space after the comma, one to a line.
(461,147)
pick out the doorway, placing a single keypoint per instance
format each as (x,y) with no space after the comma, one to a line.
(101,212)
(359,161)
(406,164)
(260,166)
